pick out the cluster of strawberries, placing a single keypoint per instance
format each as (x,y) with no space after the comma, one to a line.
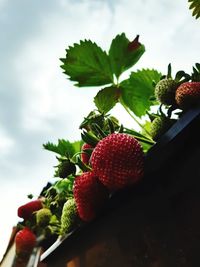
(110,159)
(184,95)
(181,92)
(25,239)
(116,161)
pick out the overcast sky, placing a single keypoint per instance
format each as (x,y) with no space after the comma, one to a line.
(37,102)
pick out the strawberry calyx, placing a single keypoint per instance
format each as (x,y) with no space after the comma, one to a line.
(195,76)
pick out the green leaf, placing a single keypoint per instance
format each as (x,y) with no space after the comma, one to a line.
(62,186)
(106,99)
(124,54)
(137,91)
(195,6)
(63,148)
(145,146)
(87,64)
(77,146)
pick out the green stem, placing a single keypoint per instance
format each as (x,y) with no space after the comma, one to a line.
(141,138)
(146,141)
(134,118)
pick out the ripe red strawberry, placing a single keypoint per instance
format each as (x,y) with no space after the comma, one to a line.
(25,241)
(85,156)
(188,94)
(90,195)
(118,160)
(26,211)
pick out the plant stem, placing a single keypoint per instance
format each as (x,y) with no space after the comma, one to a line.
(141,138)
(136,120)
(146,141)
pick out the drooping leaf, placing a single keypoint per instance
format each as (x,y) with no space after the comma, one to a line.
(87,64)
(195,6)
(106,99)
(124,54)
(63,148)
(137,91)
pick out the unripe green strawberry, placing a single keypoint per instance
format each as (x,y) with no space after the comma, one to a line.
(159,126)
(188,95)
(118,161)
(43,217)
(165,91)
(68,217)
(65,168)
(25,241)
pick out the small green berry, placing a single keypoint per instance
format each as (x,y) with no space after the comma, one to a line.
(159,126)
(68,217)
(65,168)
(165,91)
(43,217)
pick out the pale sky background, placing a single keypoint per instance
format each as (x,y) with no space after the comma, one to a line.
(37,102)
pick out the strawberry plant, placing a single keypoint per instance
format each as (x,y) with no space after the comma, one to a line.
(88,65)
(109,156)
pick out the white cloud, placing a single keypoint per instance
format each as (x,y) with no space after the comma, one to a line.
(6,143)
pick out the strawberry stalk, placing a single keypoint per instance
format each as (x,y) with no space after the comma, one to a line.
(81,165)
(139,137)
(111,126)
(136,120)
